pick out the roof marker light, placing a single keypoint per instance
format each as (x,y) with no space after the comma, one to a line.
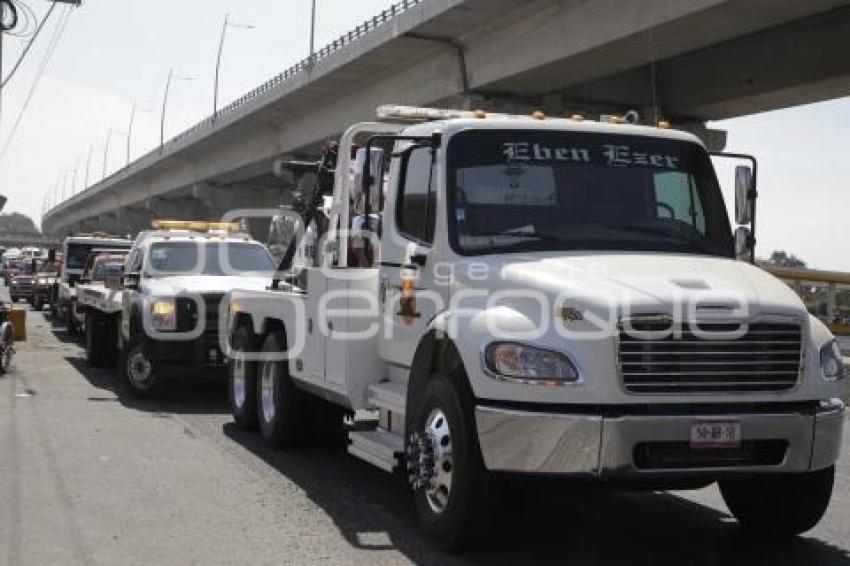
(577,118)
(538,115)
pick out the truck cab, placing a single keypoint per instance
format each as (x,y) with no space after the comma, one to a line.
(175,277)
(543,296)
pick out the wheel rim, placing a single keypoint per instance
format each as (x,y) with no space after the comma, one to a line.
(267,392)
(139,369)
(239,393)
(438,432)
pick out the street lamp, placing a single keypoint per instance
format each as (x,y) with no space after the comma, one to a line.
(106,152)
(171,77)
(313,34)
(227,24)
(130,128)
(88,164)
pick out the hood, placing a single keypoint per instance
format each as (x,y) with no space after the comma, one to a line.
(644,283)
(204,284)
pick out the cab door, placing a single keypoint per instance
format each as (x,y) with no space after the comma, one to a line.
(132,281)
(408,294)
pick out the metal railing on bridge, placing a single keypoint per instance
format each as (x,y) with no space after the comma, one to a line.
(275,82)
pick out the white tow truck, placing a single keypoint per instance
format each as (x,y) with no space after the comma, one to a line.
(558,297)
(99,304)
(75,253)
(165,308)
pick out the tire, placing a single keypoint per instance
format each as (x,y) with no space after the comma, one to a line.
(242,382)
(453,509)
(282,409)
(138,372)
(36,305)
(109,346)
(780,504)
(70,321)
(7,338)
(94,338)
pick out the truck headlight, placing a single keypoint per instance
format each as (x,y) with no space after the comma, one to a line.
(831,361)
(518,361)
(164,314)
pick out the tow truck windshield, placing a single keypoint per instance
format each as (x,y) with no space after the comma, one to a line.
(209,258)
(515,191)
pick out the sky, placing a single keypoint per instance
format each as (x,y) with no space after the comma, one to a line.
(114,54)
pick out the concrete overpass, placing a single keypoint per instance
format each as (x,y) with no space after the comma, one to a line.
(20,240)
(693,60)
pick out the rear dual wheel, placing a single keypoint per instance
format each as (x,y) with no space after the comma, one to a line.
(281,407)
(242,390)
(286,415)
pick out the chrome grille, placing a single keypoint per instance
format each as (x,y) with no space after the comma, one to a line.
(657,357)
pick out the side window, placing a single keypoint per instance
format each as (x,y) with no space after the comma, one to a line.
(416,208)
(134,262)
(676,198)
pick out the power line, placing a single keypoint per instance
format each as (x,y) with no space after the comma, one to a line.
(28,47)
(54,41)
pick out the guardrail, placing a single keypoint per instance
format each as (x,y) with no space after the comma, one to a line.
(342,41)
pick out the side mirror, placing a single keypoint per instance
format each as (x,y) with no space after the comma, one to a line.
(369,173)
(132,281)
(744,244)
(113,283)
(744,195)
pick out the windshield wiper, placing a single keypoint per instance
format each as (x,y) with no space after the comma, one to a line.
(519,233)
(699,242)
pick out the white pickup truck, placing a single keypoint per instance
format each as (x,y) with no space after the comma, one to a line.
(167,304)
(557,297)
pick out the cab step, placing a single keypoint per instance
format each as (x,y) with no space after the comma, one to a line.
(388,395)
(378,447)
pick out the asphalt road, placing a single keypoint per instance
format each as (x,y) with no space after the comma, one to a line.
(89,476)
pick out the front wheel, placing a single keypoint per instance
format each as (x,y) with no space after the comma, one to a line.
(70,320)
(446,466)
(138,370)
(94,339)
(780,504)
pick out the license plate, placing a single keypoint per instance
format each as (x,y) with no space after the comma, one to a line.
(716,434)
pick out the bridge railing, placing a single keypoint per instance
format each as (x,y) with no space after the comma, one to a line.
(305,64)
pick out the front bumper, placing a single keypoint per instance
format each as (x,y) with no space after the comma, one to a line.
(650,444)
(201,352)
